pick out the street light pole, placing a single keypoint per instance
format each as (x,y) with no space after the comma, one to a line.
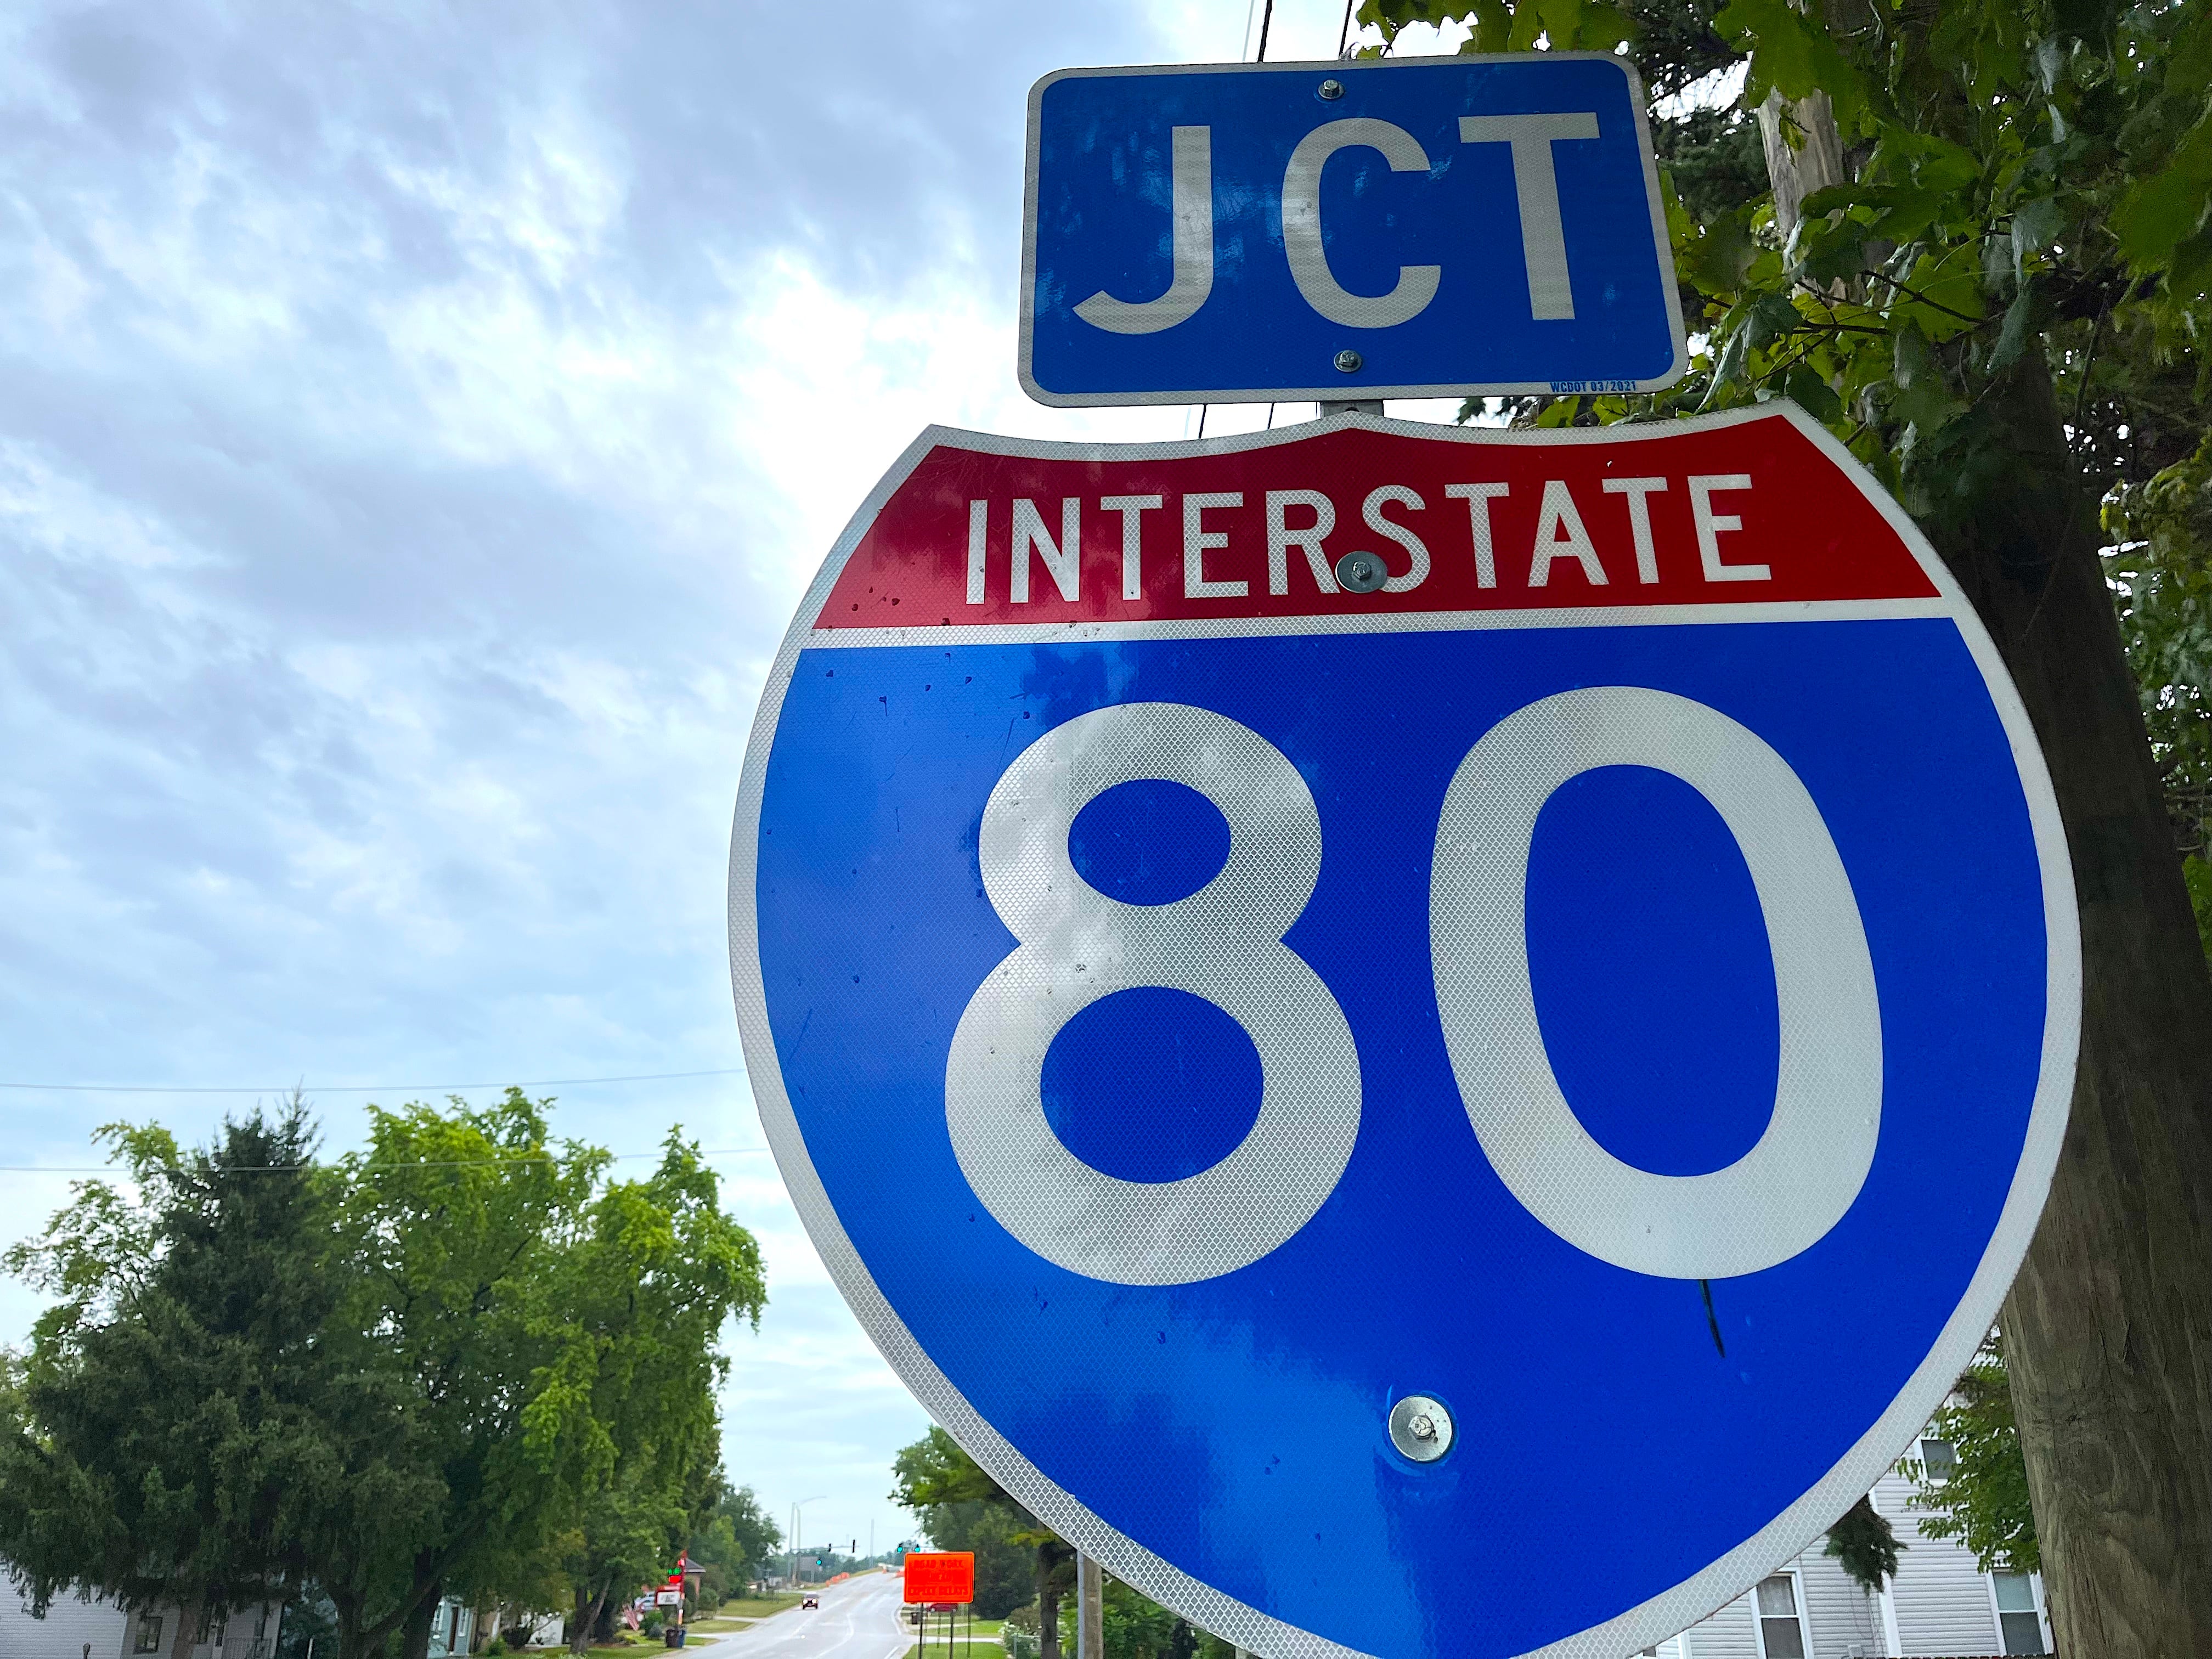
(797,1514)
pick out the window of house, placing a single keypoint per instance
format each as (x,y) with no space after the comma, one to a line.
(150,1634)
(1939,1458)
(1781,1632)
(2018,1619)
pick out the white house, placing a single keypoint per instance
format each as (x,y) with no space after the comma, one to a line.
(98,1628)
(1939,1605)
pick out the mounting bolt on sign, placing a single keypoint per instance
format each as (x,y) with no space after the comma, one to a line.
(1175,886)
(1420,1428)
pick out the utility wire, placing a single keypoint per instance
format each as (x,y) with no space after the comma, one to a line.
(1266,21)
(424,1164)
(358,1088)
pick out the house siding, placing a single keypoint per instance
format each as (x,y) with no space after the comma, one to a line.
(1940,1597)
(1841,1620)
(1846,1621)
(76,1628)
(71,1629)
(1727,1634)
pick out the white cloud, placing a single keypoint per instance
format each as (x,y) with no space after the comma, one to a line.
(415,429)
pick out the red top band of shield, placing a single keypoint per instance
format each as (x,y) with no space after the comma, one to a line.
(1750,513)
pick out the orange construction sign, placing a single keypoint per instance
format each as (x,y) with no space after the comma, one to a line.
(940,1577)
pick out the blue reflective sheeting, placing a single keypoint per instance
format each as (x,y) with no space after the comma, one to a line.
(1264,1391)
(1102,225)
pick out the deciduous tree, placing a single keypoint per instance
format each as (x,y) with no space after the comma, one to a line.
(427,1367)
(1982,1499)
(934,1473)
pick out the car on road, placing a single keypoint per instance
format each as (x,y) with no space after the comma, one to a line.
(807,1601)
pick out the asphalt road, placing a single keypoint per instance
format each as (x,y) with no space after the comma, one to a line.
(858,1619)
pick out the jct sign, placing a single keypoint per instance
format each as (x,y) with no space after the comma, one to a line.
(1345,231)
(1517,1090)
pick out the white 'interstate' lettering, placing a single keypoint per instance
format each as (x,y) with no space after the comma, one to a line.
(1584,543)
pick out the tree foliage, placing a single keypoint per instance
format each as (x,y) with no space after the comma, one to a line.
(462,1360)
(1132,1625)
(1866,1546)
(733,1545)
(1981,1500)
(2029,183)
(164,1396)
(934,1476)
(1005,1563)
(2161,566)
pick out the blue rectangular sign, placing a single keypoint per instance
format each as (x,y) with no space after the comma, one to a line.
(1251,233)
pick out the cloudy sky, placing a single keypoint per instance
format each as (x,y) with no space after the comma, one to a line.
(417,424)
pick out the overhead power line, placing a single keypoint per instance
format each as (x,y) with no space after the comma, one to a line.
(355,1088)
(396,1163)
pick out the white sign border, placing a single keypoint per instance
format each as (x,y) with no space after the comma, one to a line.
(1349,388)
(1853,1474)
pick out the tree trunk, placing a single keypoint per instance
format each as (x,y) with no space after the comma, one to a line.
(185,1636)
(347,1606)
(2108,1329)
(1048,1590)
(422,1620)
(589,1605)
(1804,153)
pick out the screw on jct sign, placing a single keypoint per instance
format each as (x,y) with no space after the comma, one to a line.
(1471,1117)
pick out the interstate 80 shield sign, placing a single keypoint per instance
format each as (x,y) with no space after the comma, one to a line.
(1474,1117)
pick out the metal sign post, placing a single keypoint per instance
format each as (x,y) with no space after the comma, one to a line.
(1090,1608)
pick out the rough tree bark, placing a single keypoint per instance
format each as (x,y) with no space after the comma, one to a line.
(588,1606)
(185,1636)
(1804,152)
(1051,1556)
(2108,1328)
(421,1619)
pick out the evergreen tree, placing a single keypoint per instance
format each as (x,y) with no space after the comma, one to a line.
(167,1391)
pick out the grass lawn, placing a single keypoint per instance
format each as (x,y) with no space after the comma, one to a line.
(748,1607)
(986,1645)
